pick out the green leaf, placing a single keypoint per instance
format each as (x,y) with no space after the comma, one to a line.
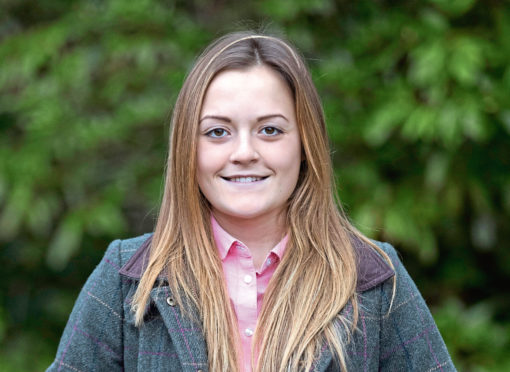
(65,242)
(436,170)
(11,216)
(466,60)
(428,63)
(454,7)
(449,128)
(387,117)
(420,124)
(472,120)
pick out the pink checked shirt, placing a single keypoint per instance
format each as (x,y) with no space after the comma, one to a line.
(246,284)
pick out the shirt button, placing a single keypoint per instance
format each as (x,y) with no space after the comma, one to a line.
(247,279)
(248,332)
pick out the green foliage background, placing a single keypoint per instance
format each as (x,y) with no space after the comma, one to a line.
(417,100)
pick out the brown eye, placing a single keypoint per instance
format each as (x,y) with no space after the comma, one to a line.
(270,131)
(217,133)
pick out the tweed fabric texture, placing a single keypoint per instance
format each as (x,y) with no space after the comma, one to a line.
(101,336)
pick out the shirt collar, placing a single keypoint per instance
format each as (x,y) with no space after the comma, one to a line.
(224,241)
(372,268)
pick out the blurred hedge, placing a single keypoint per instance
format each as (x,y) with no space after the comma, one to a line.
(418,110)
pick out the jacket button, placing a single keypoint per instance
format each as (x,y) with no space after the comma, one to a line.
(170,301)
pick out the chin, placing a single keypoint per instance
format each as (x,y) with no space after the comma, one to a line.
(246,212)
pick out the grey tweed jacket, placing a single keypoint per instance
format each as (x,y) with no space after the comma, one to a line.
(101,336)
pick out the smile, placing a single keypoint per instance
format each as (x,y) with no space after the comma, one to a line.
(247,179)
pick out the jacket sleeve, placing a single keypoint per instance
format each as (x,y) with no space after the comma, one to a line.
(92,339)
(410,340)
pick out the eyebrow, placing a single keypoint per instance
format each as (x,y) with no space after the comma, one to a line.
(227,120)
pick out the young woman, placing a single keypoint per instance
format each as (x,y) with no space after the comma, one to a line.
(252,265)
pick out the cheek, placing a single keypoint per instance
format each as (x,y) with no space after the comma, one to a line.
(287,158)
(209,160)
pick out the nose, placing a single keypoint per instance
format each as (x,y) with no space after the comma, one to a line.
(244,150)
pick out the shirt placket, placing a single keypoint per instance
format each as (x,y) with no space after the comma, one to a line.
(247,299)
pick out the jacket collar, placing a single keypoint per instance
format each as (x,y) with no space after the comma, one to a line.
(372,269)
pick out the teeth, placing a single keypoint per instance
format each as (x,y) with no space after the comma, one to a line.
(245,179)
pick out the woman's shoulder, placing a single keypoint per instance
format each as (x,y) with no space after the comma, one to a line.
(119,257)
(398,267)
(118,253)
(127,248)
(374,269)
(133,255)
(388,249)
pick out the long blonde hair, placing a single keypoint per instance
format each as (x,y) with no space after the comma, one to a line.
(316,278)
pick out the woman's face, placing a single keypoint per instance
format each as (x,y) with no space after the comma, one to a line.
(249,149)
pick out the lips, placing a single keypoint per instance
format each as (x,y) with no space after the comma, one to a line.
(244,179)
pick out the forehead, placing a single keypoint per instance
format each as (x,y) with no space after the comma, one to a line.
(257,86)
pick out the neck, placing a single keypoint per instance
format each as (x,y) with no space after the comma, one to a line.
(259,234)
